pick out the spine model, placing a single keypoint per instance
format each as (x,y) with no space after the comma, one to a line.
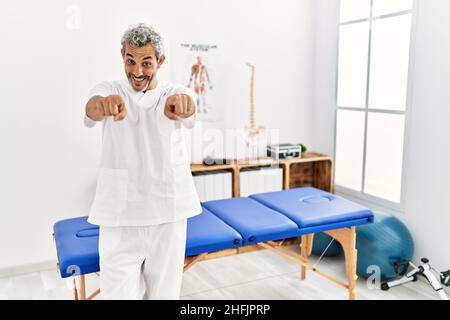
(252,129)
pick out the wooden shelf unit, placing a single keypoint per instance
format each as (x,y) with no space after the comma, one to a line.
(312,170)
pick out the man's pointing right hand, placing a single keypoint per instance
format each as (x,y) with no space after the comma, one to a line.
(113,105)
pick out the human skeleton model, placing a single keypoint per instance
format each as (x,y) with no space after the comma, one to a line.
(426,270)
(252,131)
(199,75)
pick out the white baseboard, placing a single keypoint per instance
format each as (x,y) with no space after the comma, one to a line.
(27,268)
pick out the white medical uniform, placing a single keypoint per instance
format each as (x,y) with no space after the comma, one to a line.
(144,195)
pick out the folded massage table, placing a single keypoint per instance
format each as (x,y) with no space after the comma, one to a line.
(262,219)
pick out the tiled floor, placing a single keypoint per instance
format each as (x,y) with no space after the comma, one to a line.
(254,275)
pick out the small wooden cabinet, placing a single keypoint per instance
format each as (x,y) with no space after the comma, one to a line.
(312,170)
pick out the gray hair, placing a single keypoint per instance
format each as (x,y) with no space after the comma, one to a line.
(141,35)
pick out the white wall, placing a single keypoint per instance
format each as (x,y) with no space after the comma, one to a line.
(48,159)
(326,41)
(427,200)
(427,209)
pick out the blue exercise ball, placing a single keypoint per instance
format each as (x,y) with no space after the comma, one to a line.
(321,242)
(382,243)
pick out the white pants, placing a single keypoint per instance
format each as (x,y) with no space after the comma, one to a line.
(142,262)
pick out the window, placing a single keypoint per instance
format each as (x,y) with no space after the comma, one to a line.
(371,99)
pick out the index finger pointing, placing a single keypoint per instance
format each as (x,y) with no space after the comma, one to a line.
(179,105)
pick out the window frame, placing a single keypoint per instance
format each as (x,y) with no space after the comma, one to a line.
(361,195)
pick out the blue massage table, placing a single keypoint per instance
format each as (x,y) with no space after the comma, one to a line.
(262,219)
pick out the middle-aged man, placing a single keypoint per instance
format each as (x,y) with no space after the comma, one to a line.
(145,191)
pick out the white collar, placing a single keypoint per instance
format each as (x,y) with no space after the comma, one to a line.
(150,98)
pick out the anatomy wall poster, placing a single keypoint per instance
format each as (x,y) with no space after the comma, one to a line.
(197,66)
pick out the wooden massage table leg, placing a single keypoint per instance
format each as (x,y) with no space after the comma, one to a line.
(347,238)
(80,294)
(82,287)
(75,291)
(344,236)
(305,251)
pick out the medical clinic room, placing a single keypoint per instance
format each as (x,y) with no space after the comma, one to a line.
(273,150)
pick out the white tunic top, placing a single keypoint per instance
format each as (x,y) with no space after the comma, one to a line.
(144,176)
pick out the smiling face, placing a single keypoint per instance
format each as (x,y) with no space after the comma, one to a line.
(141,66)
